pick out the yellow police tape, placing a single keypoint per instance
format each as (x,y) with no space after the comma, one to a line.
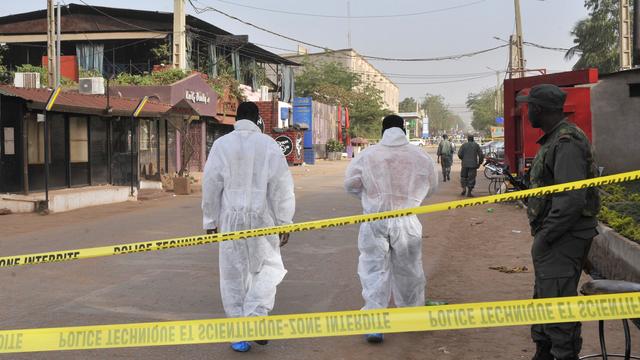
(446,317)
(67,255)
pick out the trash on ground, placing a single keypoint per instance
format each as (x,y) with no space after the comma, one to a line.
(516,231)
(435,303)
(512,270)
(490,210)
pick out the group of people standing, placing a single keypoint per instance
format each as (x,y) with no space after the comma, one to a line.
(247,184)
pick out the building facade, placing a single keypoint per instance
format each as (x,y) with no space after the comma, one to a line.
(93,140)
(615,109)
(353,61)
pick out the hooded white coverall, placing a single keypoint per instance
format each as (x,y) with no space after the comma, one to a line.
(389,176)
(247,185)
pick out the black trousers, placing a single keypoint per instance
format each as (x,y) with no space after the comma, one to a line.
(468,177)
(558,267)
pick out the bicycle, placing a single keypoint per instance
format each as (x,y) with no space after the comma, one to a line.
(501,180)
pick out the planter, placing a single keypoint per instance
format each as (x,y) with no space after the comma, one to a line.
(614,257)
(334,156)
(181,185)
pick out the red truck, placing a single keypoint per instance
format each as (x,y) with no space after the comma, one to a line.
(520,138)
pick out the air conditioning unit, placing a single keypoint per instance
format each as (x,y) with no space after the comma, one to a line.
(92,85)
(264,93)
(27,80)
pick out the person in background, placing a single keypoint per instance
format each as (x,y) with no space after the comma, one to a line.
(471,155)
(445,156)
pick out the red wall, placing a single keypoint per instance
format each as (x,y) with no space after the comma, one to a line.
(69,68)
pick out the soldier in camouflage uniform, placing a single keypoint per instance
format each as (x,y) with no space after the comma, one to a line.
(445,156)
(563,224)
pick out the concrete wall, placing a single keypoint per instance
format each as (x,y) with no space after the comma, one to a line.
(616,122)
(68,199)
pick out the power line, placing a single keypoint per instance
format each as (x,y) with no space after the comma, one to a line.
(440,58)
(442,82)
(278,11)
(528,43)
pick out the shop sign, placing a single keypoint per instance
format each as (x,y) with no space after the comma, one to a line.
(197,97)
(285,144)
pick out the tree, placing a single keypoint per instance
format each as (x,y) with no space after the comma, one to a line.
(334,84)
(596,37)
(441,118)
(483,106)
(408,105)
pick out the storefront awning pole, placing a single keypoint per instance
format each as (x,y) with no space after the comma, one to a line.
(47,108)
(135,114)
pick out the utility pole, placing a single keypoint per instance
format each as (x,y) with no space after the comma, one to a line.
(624,46)
(179,35)
(349,25)
(58,47)
(636,33)
(498,100)
(516,48)
(51,45)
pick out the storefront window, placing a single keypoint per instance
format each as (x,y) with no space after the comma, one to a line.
(145,134)
(9,141)
(78,140)
(35,139)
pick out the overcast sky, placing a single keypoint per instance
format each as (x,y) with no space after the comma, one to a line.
(468,26)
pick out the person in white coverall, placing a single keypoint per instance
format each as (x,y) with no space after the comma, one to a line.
(389,176)
(247,185)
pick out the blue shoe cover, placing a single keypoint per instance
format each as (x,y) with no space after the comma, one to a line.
(241,346)
(375,338)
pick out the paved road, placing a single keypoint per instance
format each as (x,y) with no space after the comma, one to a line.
(182,283)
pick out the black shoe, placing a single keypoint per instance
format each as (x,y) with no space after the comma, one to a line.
(469,194)
(463,193)
(543,352)
(262,342)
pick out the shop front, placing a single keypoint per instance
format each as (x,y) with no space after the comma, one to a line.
(204,125)
(91,141)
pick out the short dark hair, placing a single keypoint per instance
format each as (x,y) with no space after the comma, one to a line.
(470,137)
(248,111)
(391,121)
(445,136)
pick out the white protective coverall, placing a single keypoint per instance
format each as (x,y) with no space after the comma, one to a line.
(389,176)
(247,185)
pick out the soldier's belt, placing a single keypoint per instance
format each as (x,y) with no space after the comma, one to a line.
(155,245)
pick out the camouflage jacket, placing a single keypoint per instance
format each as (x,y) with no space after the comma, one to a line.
(565,155)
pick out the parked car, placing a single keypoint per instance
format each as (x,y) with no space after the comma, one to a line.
(493,149)
(417,142)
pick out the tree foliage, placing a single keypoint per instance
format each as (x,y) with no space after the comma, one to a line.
(596,37)
(441,118)
(482,104)
(334,84)
(408,105)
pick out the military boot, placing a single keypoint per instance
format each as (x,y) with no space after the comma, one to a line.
(464,192)
(543,352)
(469,194)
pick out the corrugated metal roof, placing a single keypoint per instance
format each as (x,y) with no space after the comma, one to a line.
(74,102)
(78,18)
